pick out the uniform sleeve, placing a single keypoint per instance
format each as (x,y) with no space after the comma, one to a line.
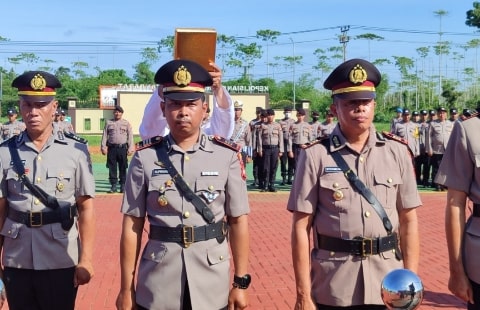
(222,121)
(456,162)
(153,121)
(236,195)
(131,145)
(134,198)
(85,181)
(104,136)
(304,194)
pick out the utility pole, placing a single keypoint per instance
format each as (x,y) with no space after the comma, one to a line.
(344,38)
(293,78)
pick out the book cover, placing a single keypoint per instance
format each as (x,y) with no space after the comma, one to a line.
(196,44)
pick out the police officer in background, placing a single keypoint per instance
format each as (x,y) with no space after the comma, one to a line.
(422,161)
(300,134)
(409,131)
(396,119)
(346,266)
(436,142)
(255,159)
(459,172)
(453,114)
(270,149)
(64,125)
(287,163)
(242,135)
(117,144)
(13,126)
(315,123)
(47,215)
(327,126)
(258,171)
(186,261)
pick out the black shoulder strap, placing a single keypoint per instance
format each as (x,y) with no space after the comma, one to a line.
(182,186)
(358,184)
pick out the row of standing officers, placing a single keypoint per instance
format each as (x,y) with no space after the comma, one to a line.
(264,141)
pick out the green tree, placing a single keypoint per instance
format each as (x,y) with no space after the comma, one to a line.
(268,36)
(473,16)
(369,37)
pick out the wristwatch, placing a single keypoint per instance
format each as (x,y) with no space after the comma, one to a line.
(242,282)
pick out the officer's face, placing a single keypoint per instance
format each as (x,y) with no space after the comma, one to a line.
(184,117)
(238,113)
(354,116)
(38,116)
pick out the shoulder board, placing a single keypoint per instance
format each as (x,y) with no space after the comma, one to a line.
(227,143)
(75,137)
(391,136)
(314,142)
(148,142)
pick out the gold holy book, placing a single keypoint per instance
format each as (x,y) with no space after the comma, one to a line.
(197,44)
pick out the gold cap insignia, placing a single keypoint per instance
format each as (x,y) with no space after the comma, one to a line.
(358,75)
(38,82)
(182,77)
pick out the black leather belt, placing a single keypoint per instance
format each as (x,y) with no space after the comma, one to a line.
(476,210)
(358,246)
(296,145)
(187,235)
(272,146)
(118,146)
(38,219)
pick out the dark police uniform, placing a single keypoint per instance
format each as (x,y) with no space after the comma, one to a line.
(287,164)
(118,139)
(340,215)
(40,249)
(179,270)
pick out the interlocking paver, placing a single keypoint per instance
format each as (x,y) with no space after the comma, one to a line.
(273,284)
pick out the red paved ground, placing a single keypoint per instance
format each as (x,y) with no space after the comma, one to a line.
(270,261)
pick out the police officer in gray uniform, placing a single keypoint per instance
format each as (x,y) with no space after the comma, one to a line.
(192,189)
(46,204)
(460,173)
(13,126)
(353,247)
(117,144)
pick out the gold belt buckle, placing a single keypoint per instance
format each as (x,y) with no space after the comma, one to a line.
(365,246)
(34,220)
(185,231)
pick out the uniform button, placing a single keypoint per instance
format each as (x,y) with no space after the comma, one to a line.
(39,157)
(389,180)
(162,188)
(336,185)
(393,251)
(367,213)
(221,257)
(9,232)
(39,179)
(187,158)
(210,187)
(61,175)
(152,256)
(362,159)
(332,253)
(186,214)
(36,201)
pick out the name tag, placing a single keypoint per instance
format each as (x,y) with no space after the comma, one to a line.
(332,169)
(209,173)
(156,172)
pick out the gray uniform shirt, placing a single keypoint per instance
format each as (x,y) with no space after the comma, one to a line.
(118,132)
(386,168)
(10,129)
(62,169)
(438,135)
(411,133)
(214,173)
(460,170)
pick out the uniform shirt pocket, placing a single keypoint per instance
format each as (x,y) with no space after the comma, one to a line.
(386,187)
(210,189)
(334,190)
(15,186)
(218,254)
(154,251)
(11,229)
(61,180)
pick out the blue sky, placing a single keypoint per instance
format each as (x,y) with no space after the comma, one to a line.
(111,34)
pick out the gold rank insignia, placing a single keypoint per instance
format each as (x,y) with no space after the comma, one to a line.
(182,77)
(358,75)
(60,186)
(338,195)
(162,200)
(38,82)
(169,183)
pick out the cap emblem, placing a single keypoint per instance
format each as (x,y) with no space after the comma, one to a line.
(38,82)
(358,74)
(182,77)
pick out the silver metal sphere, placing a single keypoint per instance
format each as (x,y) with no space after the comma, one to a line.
(402,289)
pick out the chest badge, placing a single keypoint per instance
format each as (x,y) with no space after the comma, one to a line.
(210,196)
(338,195)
